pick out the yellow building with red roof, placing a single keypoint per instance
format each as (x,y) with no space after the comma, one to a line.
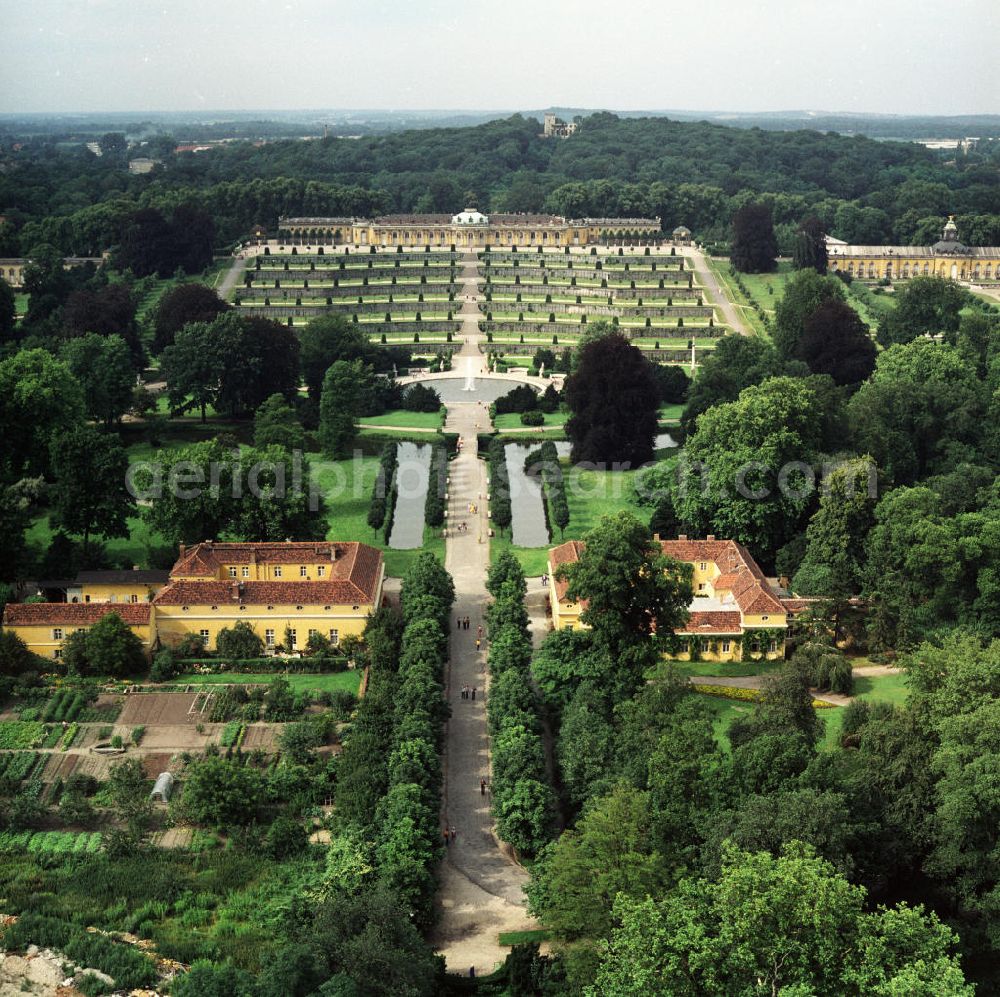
(299,588)
(735,609)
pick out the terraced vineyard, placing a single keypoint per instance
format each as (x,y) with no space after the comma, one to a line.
(537,300)
(394,296)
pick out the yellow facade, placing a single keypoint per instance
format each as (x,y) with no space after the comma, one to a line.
(948,258)
(44,627)
(500,231)
(175,623)
(733,612)
(324,587)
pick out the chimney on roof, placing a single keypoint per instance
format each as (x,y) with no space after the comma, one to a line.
(183,548)
(241,589)
(711,536)
(784,582)
(135,567)
(656,537)
(683,536)
(235,590)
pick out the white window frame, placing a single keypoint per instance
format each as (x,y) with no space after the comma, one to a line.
(725,647)
(320,570)
(303,571)
(277,571)
(57,653)
(57,633)
(269,638)
(206,636)
(246,571)
(334,637)
(232,572)
(294,637)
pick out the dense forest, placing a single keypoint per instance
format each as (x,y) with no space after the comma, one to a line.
(693,173)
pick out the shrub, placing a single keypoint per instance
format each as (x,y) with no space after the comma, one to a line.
(532,418)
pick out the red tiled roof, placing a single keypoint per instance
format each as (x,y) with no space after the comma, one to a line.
(711,622)
(20,614)
(290,593)
(354,564)
(797,605)
(567,553)
(739,571)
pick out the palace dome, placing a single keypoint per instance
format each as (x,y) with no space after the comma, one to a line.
(949,244)
(470,216)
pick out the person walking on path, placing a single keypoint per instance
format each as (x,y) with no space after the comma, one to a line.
(473,693)
(447,840)
(482,787)
(454,835)
(479,644)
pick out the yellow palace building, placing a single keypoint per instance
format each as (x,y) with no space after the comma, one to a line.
(303,587)
(468,229)
(734,609)
(948,258)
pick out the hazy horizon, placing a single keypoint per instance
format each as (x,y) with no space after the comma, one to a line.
(719,56)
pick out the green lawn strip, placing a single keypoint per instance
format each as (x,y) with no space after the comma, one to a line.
(670,413)
(726,711)
(133,548)
(592,494)
(512,420)
(401,417)
(533,560)
(299,681)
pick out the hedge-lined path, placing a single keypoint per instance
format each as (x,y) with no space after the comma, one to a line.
(713,291)
(234,276)
(481,887)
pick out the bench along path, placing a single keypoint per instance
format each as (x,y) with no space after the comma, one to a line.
(481,886)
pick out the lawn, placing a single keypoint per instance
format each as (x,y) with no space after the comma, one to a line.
(670,413)
(346,487)
(767,288)
(299,681)
(533,560)
(512,420)
(134,548)
(592,494)
(410,420)
(889,688)
(511,938)
(725,711)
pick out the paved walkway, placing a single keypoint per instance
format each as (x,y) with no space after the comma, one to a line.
(481,887)
(233,276)
(713,290)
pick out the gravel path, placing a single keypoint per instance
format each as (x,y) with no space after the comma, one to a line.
(481,886)
(714,292)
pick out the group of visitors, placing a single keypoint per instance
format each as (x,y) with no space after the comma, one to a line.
(468,692)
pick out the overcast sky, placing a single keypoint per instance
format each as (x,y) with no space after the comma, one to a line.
(902,56)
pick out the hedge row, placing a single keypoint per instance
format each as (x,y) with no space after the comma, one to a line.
(545,462)
(437,485)
(500,508)
(382,486)
(523,801)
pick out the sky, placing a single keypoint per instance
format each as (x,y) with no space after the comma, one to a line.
(876,56)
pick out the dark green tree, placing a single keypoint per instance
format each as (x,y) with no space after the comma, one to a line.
(89,495)
(810,246)
(754,248)
(614,400)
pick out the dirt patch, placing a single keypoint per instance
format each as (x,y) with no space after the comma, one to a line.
(155,763)
(179,737)
(263,736)
(149,708)
(174,837)
(60,766)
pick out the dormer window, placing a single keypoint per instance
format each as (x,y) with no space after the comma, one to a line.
(277,571)
(321,570)
(764,619)
(303,571)
(232,572)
